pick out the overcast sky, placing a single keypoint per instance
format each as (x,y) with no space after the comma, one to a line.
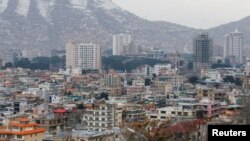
(193,13)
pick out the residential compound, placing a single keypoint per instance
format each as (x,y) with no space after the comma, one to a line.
(83,56)
(159,99)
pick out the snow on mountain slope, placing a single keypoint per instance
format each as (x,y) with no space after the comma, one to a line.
(81,20)
(3,5)
(45,7)
(23,7)
(106,4)
(80,4)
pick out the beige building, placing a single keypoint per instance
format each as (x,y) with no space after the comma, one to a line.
(186,109)
(100,116)
(112,91)
(203,92)
(83,55)
(112,80)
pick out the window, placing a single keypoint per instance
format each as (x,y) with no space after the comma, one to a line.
(163,112)
(19,137)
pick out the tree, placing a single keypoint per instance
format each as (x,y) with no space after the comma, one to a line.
(238,82)
(219,64)
(128,63)
(216,85)
(168,96)
(219,61)
(23,63)
(130,83)
(228,79)
(8,65)
(80,106)
(193,79)
(104,95)
(69,93)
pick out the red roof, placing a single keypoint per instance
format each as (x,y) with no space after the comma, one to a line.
(35,131)
(60,111)
(23,125)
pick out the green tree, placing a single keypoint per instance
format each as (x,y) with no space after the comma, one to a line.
(229,79)
(193,79)
(8,65)
(238,82)
(23,63)
(104,95)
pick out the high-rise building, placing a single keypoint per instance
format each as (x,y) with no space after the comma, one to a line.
(233,47)
(83,55)
(202,51)
(121,43)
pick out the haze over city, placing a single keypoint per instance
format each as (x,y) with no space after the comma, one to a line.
(193,13)
(124,70)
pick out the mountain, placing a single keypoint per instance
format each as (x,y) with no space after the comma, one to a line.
(242,25)
(52,23)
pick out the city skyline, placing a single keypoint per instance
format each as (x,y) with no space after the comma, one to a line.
(201,13)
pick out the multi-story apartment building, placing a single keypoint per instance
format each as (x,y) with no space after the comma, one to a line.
(233,47)
(112,80)
(121,44)
(186,108)
(99,116)
(84,56)
(209,107)
(161,69)
(202,51)
(134,115)
(204,91)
